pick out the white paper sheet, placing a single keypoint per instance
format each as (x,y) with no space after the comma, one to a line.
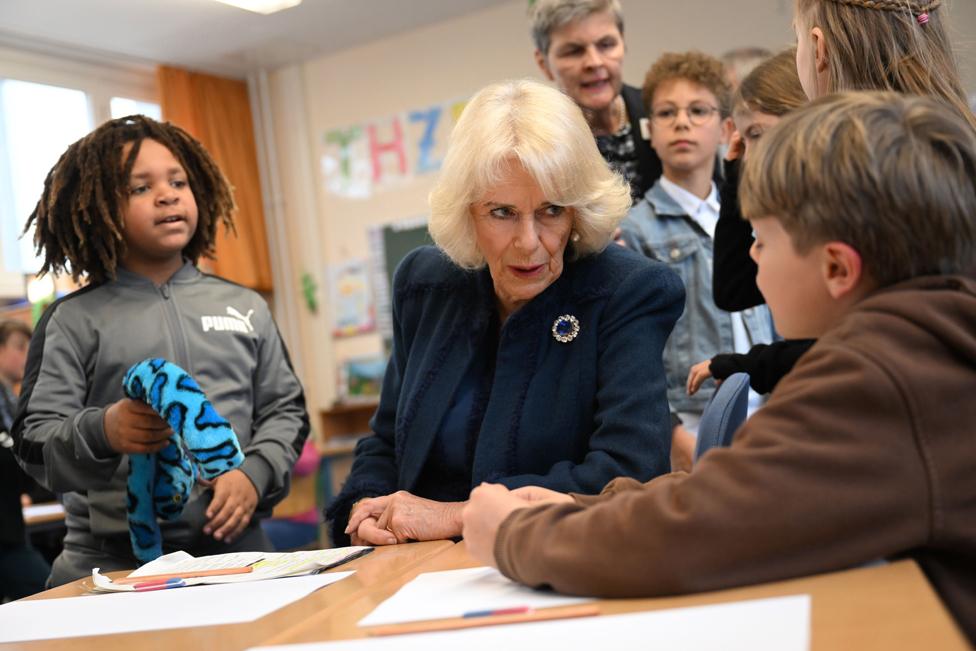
(126,612)
(436,595)
(779,624)
(264,566)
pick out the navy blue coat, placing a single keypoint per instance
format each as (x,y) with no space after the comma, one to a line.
(566,416)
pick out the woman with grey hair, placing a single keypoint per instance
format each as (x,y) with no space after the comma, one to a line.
(525,350)
(580,46)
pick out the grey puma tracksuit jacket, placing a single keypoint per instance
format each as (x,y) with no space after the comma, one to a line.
(220,332)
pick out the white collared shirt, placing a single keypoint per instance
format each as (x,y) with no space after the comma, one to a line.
(703,212)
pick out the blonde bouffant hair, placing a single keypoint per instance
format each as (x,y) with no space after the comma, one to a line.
(893,176)
(542,129)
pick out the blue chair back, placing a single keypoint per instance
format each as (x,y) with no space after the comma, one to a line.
(723,415)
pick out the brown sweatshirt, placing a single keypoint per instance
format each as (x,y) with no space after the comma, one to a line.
(866,450)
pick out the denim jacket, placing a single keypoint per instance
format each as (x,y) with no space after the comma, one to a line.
(658,228)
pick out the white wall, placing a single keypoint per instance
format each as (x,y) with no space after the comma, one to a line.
(447,61)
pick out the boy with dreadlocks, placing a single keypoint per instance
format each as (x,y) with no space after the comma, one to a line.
(131,207)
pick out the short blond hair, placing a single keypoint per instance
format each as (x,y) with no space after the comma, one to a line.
(544,130)
(893,176)
(696,67)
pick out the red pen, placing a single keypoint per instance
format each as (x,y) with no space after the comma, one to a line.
(516,610)
(160,584)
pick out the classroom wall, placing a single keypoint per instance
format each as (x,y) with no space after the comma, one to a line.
(440,64)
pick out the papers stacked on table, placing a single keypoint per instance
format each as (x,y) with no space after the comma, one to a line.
(180,569)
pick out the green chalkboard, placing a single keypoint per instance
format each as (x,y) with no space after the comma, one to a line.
(389,244)
(398,241)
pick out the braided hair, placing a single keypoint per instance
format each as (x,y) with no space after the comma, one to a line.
(79,219)
(910,6)
(895,45)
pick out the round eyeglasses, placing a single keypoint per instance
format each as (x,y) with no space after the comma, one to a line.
(698,114)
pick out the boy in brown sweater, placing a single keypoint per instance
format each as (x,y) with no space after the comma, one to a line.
(864,208)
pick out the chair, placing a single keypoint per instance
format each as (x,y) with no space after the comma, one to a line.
(291,526)
(723,414)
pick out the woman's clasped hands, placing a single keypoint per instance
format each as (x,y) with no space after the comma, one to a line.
(404,517)
(401,517)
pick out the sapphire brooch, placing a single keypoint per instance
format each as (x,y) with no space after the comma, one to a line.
(565,328)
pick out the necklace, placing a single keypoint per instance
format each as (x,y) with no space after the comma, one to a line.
(621,117)
(616,122)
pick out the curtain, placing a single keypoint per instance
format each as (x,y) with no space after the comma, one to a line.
(216,111)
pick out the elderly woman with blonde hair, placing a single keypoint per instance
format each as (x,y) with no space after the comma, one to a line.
(525,351)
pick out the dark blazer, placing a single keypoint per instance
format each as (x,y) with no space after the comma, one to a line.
(566,416)
(647,160)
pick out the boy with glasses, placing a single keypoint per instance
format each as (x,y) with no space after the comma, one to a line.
(687,98)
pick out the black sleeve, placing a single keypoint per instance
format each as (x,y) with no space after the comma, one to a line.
(733,272)
(766,364)
(647,160)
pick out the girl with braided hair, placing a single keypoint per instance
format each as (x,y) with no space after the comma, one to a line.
(129,209)
(896,45)
(842,45)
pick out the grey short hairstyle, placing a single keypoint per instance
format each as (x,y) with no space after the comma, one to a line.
(549,15)
(545,131)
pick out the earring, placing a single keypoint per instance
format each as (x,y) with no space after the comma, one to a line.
(575,237)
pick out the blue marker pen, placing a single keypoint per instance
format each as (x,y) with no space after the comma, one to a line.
(516,610)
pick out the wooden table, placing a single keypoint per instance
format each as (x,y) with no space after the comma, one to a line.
(377,568)
(885,608)
(888,607)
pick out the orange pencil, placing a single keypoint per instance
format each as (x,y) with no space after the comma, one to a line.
(185,575)
(471,622)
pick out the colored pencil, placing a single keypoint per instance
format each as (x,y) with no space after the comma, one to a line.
(491,620)
(185,575)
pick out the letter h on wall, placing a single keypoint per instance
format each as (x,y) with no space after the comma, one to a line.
(394,146)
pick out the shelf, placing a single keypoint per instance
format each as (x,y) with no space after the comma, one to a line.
(346,420)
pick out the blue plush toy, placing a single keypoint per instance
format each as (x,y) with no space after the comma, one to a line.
(202,443)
